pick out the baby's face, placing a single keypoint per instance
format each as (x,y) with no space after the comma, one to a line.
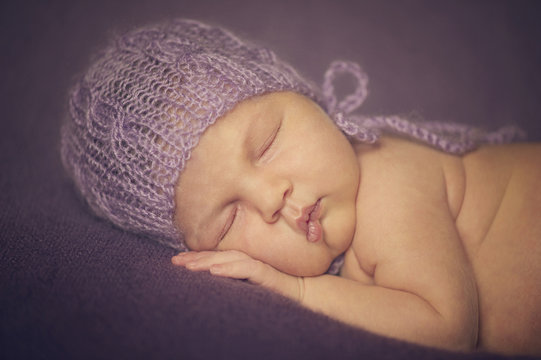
(274,178)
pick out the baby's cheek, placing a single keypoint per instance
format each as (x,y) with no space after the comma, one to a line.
(339,227)
(264,241)
(249,231)
(254,233)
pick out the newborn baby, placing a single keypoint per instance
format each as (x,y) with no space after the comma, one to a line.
(439,249)
(188,134)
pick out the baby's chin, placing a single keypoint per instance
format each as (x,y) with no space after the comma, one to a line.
(308,269)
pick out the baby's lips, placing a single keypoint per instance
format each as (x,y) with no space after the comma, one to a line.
(308,213)
(314,231)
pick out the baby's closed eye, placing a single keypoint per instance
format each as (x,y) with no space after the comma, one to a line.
(228,224)
(264,152)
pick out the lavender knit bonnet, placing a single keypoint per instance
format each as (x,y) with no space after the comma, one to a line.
(143,104)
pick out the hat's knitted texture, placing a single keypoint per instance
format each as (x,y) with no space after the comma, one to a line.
(142,105)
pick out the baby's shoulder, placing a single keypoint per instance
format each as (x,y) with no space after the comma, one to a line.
(392,149)
(400,181)
(506,157)
(408,158)
(411,167)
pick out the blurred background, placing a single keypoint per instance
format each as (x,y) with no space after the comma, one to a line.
(468,61)
(71,285)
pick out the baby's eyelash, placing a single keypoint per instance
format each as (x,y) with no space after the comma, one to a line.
(270,141)
(228,224)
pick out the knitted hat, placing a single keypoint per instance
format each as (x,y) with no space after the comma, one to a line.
(143,104)
(141,107)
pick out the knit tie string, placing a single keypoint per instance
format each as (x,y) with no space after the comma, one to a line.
(352,101)
(450,137)
(340,111)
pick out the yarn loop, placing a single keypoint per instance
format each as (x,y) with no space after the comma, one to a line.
(450,137)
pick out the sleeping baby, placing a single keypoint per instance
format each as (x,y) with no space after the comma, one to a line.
(427,232)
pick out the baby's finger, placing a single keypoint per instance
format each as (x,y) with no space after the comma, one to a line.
(249,269)
(257,272)
(204,260)
(185,257)
(262,274)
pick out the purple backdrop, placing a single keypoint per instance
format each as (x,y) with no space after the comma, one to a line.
(73,286)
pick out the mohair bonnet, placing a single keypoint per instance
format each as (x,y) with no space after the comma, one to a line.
(143,104)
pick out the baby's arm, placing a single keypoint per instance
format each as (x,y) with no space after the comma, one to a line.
(395,313)
(406,239)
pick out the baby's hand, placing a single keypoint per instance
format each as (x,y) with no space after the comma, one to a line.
(238,265)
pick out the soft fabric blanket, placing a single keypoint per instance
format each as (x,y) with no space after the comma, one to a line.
(72,286)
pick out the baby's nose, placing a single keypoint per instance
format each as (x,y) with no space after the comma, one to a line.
(268,195)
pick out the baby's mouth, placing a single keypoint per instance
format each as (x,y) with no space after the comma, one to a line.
(309,222)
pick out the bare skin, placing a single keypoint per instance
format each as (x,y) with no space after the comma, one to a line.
(501,230)
(494,198)
(443,251)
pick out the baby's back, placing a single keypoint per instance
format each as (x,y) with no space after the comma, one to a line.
(500,225)
(493,196)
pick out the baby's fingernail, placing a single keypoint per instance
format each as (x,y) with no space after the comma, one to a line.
(178,260)
(216,270)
